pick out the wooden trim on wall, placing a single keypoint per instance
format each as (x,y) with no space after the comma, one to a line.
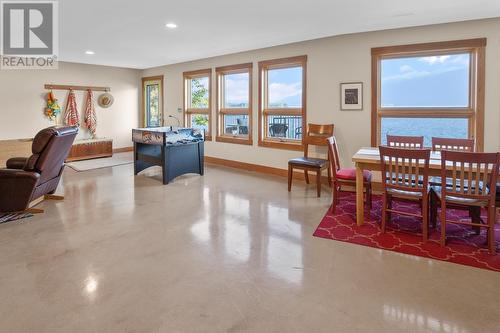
(481,89)
(432,46)
(474,112)
(258,168)
(263,66)
(142,122)
(219,73)
(374,89)
(186,112)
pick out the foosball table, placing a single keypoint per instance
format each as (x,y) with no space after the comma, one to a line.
(177,150)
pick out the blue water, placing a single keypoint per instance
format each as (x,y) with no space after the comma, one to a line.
(428,127)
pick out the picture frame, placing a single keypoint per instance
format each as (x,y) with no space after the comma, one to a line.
(351,96)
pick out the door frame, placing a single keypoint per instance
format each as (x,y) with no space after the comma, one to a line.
(143,122)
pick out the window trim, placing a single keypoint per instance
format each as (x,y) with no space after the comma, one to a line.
(187,112)
(143,121)
(264,66)
(474,112)
(220,72)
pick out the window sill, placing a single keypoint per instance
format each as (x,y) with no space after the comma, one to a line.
(287,145)
(235,139)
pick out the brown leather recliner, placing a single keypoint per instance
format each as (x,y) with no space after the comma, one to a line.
(27,179)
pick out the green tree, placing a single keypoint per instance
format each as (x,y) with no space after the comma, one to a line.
(200,119)
(199,99)
(199,94)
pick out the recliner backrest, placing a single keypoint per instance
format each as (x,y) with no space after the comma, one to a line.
(50,148)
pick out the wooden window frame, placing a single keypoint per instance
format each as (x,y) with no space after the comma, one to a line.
(187,110)
(143,121)
(264,111)
(220,72)
(474,112)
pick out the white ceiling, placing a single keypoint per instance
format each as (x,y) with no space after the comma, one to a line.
(131,33)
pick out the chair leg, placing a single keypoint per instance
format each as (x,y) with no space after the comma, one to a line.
(389,205)
(384,212)
(369,196)
(306,176)
(425,218)
(443,223)
(318,182)
(329,176)
(475,215)
(491,229)
(290,176)
(334,197)
(433,209)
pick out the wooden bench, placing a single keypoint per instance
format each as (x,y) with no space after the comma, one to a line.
(89,149)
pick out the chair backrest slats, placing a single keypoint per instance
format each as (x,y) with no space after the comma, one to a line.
(317,135)
(454,176)
(333,156)
(402,167)
(439,144)
(473,174)
(478,177)
(400,141)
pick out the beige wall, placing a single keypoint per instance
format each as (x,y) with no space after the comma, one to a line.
(332,61)
(23,100)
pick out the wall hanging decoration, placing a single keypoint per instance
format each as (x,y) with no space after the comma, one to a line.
(351,96)
(105,100)
(71,113)
(90,118)
(53,109)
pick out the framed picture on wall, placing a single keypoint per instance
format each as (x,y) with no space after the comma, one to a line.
(351,96)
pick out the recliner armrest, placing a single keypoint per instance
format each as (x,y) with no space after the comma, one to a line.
(16,162)
(16,189)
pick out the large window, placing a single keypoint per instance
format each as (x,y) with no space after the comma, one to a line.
(433,90)
(152,101)
(282,102)
(197,100)
(234,104)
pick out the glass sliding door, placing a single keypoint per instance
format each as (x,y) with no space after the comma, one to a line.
(152,90)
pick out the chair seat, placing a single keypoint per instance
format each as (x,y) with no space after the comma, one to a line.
(410,195)
(308,161)
(459,200)
(350,174)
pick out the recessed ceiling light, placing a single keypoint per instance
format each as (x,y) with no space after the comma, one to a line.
(89,52)
(171,25)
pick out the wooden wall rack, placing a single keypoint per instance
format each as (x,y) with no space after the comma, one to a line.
(70,87)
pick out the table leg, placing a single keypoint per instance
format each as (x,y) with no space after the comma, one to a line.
(359,195)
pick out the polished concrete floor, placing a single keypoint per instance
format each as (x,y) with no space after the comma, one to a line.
(228,252)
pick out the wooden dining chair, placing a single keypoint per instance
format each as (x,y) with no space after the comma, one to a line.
(454,144)
(497,204)
(473,175)
(400,141)
(316,135)
(405,178)
(345,176)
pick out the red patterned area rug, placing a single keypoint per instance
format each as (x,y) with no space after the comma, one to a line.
(404,234)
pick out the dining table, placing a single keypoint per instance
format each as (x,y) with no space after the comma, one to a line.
(368,158)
